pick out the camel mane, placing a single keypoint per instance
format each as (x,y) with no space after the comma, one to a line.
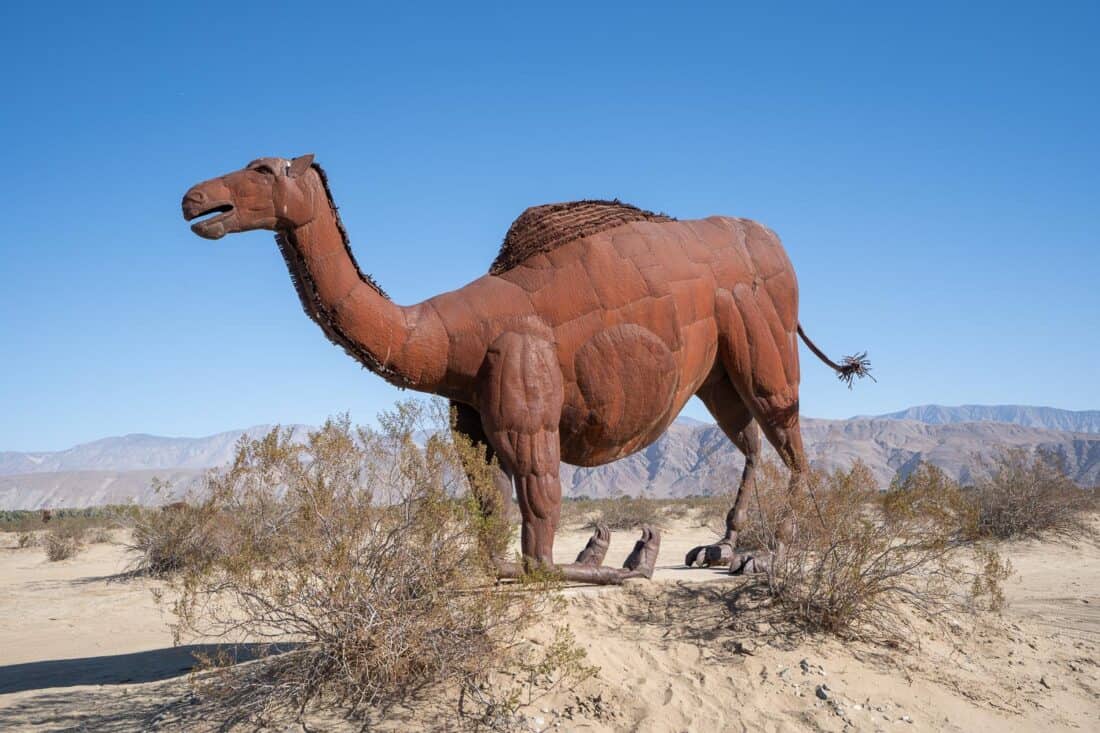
(543,228)
(365,277)
(311,301)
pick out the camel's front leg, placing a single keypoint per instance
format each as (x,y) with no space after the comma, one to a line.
(520,399)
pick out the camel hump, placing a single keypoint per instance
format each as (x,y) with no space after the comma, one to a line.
(543,228)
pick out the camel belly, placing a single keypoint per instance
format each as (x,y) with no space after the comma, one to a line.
(629,387)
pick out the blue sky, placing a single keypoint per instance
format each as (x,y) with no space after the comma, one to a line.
(932,170)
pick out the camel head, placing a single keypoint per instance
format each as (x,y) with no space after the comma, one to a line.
(269,193)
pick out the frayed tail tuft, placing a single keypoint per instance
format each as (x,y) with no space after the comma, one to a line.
(856,365)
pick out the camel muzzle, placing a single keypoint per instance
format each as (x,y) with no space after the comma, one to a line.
(196,204)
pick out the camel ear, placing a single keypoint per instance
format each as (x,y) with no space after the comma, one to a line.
(300,165)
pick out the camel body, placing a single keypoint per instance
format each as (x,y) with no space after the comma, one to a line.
(633,317)
(583,348)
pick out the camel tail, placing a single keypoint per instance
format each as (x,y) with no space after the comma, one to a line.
(854,366)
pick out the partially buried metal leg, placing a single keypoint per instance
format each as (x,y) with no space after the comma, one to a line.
(596,549)
(639,564)
(643,558)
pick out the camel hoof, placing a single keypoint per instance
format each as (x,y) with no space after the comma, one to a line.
(596,549)
(643,558)
(706,555)
(747,563)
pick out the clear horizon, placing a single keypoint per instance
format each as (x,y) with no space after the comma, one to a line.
(701,416)
(931,171)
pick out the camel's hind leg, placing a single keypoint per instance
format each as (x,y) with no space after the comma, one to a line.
(735,420)
(758,347)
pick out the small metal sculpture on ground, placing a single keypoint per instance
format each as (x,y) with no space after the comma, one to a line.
(594,326)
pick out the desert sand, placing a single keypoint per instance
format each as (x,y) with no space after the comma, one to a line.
(82,650)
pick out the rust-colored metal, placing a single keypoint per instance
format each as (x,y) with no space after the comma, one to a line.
(596,324)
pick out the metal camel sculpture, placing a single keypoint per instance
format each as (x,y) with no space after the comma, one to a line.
(594,326)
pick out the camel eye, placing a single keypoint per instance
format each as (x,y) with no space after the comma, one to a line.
(265,169)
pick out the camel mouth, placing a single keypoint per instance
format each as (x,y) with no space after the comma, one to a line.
(213,227)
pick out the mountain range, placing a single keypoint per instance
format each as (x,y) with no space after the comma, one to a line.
(1051,418)
(692,457)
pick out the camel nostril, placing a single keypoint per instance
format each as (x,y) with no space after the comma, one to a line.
(194,201)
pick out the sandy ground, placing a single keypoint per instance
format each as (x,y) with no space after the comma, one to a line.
(82,651)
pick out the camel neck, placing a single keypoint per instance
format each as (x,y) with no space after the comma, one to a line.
(348,306)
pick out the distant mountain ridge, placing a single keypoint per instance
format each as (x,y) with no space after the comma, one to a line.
(136,451)
(693,457)
(1051,418)
(95,488)
(697,459)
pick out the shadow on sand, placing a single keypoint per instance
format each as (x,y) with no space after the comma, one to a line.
(728,618)
(164,703)
(120,669)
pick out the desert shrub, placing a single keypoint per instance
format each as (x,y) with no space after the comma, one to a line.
(63,542)
(19,520)
(27,539)
(767,503)
(692,507)
(626,512)
(710,511)
(1029,495)
(674,510)
(864,566)
(536,671)
(99,535)
(363,556)
(766,497)
(170,539)
(576,511)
